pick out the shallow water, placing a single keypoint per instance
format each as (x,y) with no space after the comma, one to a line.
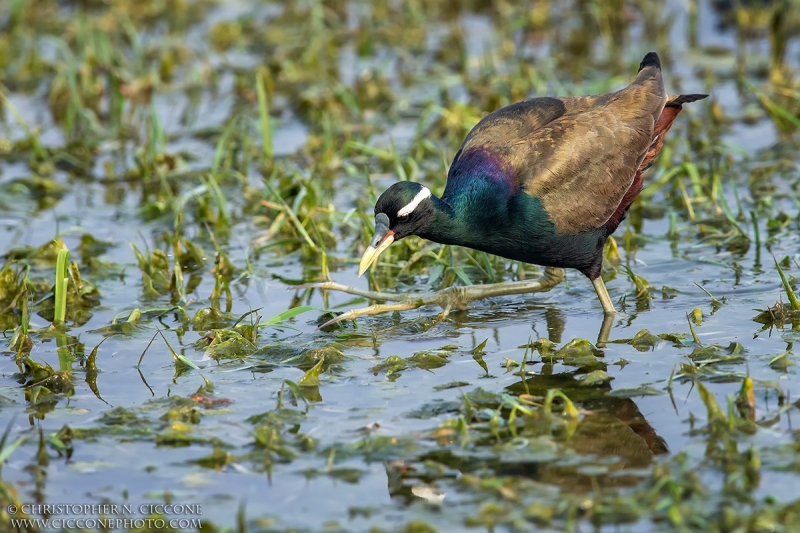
(377,444)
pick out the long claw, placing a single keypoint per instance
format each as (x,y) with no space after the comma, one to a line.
(369,311)
(333,286)
(450,298)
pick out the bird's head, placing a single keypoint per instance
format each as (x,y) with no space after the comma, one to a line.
(402,210)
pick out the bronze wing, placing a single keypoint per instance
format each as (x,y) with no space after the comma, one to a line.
(578,155)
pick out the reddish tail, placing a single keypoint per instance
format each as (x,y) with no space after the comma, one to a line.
(663,124)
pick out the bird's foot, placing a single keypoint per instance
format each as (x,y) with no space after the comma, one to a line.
(448,299)
(372,295)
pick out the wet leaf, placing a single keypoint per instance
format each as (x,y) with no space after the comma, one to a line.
(781,362)
(451,385)
(594,378)
(642,341)
(715,354)
(311,377)
(644,390)
(478,353)
(677,339)
(580,353)
(428,360)
(226,344)
(715,413)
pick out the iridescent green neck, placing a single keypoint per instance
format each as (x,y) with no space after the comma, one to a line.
(445,226)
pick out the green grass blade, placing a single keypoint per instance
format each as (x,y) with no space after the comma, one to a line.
(60,313)
(795,303)
(286,315)
(6,452)
(263,113)
(178,358)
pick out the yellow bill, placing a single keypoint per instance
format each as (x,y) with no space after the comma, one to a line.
(382,239)
(371,254)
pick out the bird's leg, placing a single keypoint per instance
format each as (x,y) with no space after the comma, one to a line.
(450,298)
(608,310)
(552,277)
(602,293)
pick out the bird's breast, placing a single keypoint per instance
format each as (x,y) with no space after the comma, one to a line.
(521,230)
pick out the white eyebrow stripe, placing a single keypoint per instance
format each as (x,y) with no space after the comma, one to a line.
(421,195)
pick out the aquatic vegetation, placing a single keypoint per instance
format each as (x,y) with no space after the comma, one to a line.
(178,179)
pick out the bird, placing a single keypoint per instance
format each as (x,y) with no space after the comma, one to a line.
(544,181)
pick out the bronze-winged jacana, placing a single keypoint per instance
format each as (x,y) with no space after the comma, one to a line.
(544,181)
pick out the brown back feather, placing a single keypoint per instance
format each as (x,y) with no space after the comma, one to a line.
(578,155)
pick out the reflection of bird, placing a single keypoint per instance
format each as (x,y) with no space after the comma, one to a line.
(611,446)
(543,181)
(610,426)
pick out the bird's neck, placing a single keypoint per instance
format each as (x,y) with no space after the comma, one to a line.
(447,225)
